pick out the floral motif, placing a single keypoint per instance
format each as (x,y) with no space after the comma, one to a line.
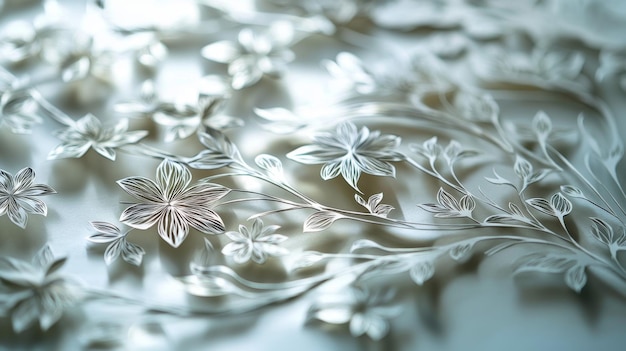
(366,312)
(35,292)
(17,196)
(172,203)
(350,152)
(256,243)
(88,132)
(254,55)
(108,233)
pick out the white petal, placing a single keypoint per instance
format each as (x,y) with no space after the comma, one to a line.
(221,51)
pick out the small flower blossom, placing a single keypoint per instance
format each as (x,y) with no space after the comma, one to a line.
(17,196)
(35,292)
(350,152)
(254,55)
(172,203)
(255,243)
(88,132)
(366,312)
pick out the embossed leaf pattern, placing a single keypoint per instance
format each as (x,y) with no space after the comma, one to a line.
(172,204)
(373,205)
(18,196)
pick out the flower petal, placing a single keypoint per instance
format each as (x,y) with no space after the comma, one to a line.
(375,167)
(350,172)
(25,313)
(69,150)
(173,228)
(142,216)
(172,178)
(142,188)
(32,205)
(6,182)
(221,51)
(204,220)
(17,214)
(38,190)
(23,180)
(330,170)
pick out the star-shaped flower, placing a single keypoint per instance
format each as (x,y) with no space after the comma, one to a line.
(172,204)
(17,196)
(32,292)
(88,132)
(255,243)
(350,152)
(254,55)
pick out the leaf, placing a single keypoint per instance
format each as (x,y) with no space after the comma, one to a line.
(320,220)
(541,205)
(421,272)
(272,165)
(132,253)
(461,252)
(307,259)
(522,168)
(113,251)
(602,231)
(545,263)
(448,201)
(365,244)
(505,219)
(220,151)
(561,205)
(575,277)
(498,179)
(572,191)
(542,125)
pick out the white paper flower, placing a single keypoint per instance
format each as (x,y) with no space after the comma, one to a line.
(88,132)
(350,152)
(254,55)
(256,243)
(172,203)
(17,196)
(35,292)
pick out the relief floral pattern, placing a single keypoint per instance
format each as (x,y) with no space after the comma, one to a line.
(460,118)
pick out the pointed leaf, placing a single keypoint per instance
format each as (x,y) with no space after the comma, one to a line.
(320,220)
(422,271)
(575,278)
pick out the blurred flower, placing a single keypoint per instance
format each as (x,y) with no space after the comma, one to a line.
(254,55)
(32,292)
(366,312)
(88,132)
(255,243)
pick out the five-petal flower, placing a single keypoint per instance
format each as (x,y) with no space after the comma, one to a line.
(172,204)
(255,243)
(32,292)
(88,132)
(350,152)
(17,196)
(254,55)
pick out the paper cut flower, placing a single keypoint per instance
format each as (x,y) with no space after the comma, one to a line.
(17,196)
(256,243)
(88,132)
(350,152)
(172,204)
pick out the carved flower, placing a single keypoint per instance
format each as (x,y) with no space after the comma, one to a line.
(172,203)
(349,152)
(32,292)
(255,243)
(254,55)
(17,196)
(88,132)
(366,312)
